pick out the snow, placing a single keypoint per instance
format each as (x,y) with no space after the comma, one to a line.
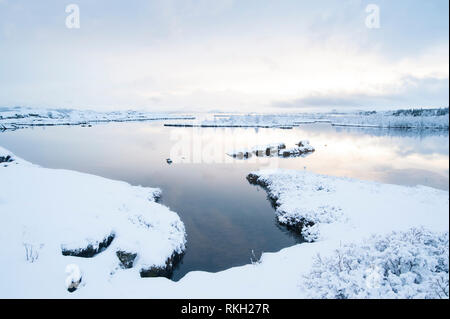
(55,214)
(20,117)
(42,209)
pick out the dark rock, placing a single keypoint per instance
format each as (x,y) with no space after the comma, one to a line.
(74,285)
(254,179)
(126,259)
(90,250)
(6,159)
(164,271)
(285,153)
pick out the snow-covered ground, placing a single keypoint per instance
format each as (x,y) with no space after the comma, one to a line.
(19,117)
(43,211)
(415,119)
(51,218)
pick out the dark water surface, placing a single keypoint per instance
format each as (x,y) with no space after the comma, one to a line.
(226,217)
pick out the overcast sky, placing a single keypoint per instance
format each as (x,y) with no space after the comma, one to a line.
(230,55)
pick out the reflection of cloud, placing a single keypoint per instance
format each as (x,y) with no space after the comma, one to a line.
(412,177)
(393,132)
(363,154)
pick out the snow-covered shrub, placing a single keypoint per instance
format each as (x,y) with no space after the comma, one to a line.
(32,252)
(415,118)
(412,264)
(311,232)
(421,112)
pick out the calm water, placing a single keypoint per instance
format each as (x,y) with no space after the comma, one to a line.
(226,217)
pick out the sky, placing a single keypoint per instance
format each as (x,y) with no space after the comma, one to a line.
(225,55)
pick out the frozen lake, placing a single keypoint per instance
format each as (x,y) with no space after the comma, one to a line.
(226,217)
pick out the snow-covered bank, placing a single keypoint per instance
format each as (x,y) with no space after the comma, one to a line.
(410,119)
(51,218)
(339,213)
(325,207)
(20,117)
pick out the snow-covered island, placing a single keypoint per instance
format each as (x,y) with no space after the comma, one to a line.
(302,148)
(366,239)
(405,119)
(20,117)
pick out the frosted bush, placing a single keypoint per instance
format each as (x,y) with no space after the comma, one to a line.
(311,233)
(412,264)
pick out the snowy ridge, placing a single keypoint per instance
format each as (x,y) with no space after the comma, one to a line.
(51,216)
(19,117)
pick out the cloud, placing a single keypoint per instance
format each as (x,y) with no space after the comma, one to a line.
(249,55)
(413,93)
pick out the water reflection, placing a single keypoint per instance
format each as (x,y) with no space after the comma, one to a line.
(416,133)
(225,216)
